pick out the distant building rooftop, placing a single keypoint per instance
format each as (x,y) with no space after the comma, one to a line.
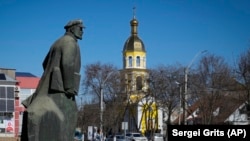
(24,74)
(27,80)
(4,77)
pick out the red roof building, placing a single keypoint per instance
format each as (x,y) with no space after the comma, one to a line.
(26,86)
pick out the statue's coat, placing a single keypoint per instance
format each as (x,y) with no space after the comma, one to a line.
(51,115)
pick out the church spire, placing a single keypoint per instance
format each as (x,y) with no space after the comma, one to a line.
(134,8)
(134,24)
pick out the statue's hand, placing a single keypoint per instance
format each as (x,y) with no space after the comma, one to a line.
(70,92)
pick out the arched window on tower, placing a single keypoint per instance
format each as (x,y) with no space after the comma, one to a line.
(139,83)
(130,61)
(138,63)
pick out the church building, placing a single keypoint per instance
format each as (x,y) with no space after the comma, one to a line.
(142,113)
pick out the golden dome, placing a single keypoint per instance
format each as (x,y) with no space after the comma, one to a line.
(134,43)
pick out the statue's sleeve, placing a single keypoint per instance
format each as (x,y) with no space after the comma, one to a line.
(69,52)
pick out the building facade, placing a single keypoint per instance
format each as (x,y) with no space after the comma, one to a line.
(8,102)
(14,88)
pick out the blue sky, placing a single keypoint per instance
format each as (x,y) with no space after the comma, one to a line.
(173,31)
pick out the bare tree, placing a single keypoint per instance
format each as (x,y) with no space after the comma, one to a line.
(208,85)
(243,77)
(87,116)
(104,79)
(165,84)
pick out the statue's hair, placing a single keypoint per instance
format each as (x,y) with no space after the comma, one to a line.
(72,23)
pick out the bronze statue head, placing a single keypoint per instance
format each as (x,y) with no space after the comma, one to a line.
(75,27)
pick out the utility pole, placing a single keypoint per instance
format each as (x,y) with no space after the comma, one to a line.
(181,100)
(101,101)
(186,71)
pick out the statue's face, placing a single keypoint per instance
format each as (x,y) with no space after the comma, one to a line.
(77,31)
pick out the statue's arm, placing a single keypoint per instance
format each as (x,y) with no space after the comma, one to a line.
(67,67)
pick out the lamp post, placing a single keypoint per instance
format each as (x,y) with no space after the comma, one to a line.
(179,85)
(101,101)
(186,71)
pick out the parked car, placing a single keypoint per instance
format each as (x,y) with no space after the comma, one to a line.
(158,137)
(110,138)
(120,138)
(136,137)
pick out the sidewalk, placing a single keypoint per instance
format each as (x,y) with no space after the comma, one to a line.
(9,139)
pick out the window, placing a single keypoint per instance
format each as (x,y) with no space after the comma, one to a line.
(7,99)
(138,63)
(2,92)
(130,61)
(25,91)
(139,83)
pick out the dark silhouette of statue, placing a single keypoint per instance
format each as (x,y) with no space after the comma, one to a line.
(51,113)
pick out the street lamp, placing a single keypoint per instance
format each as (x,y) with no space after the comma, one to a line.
(179,85)
(101,101)
(186,81)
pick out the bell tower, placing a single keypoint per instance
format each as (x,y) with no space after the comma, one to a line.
(134,62)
